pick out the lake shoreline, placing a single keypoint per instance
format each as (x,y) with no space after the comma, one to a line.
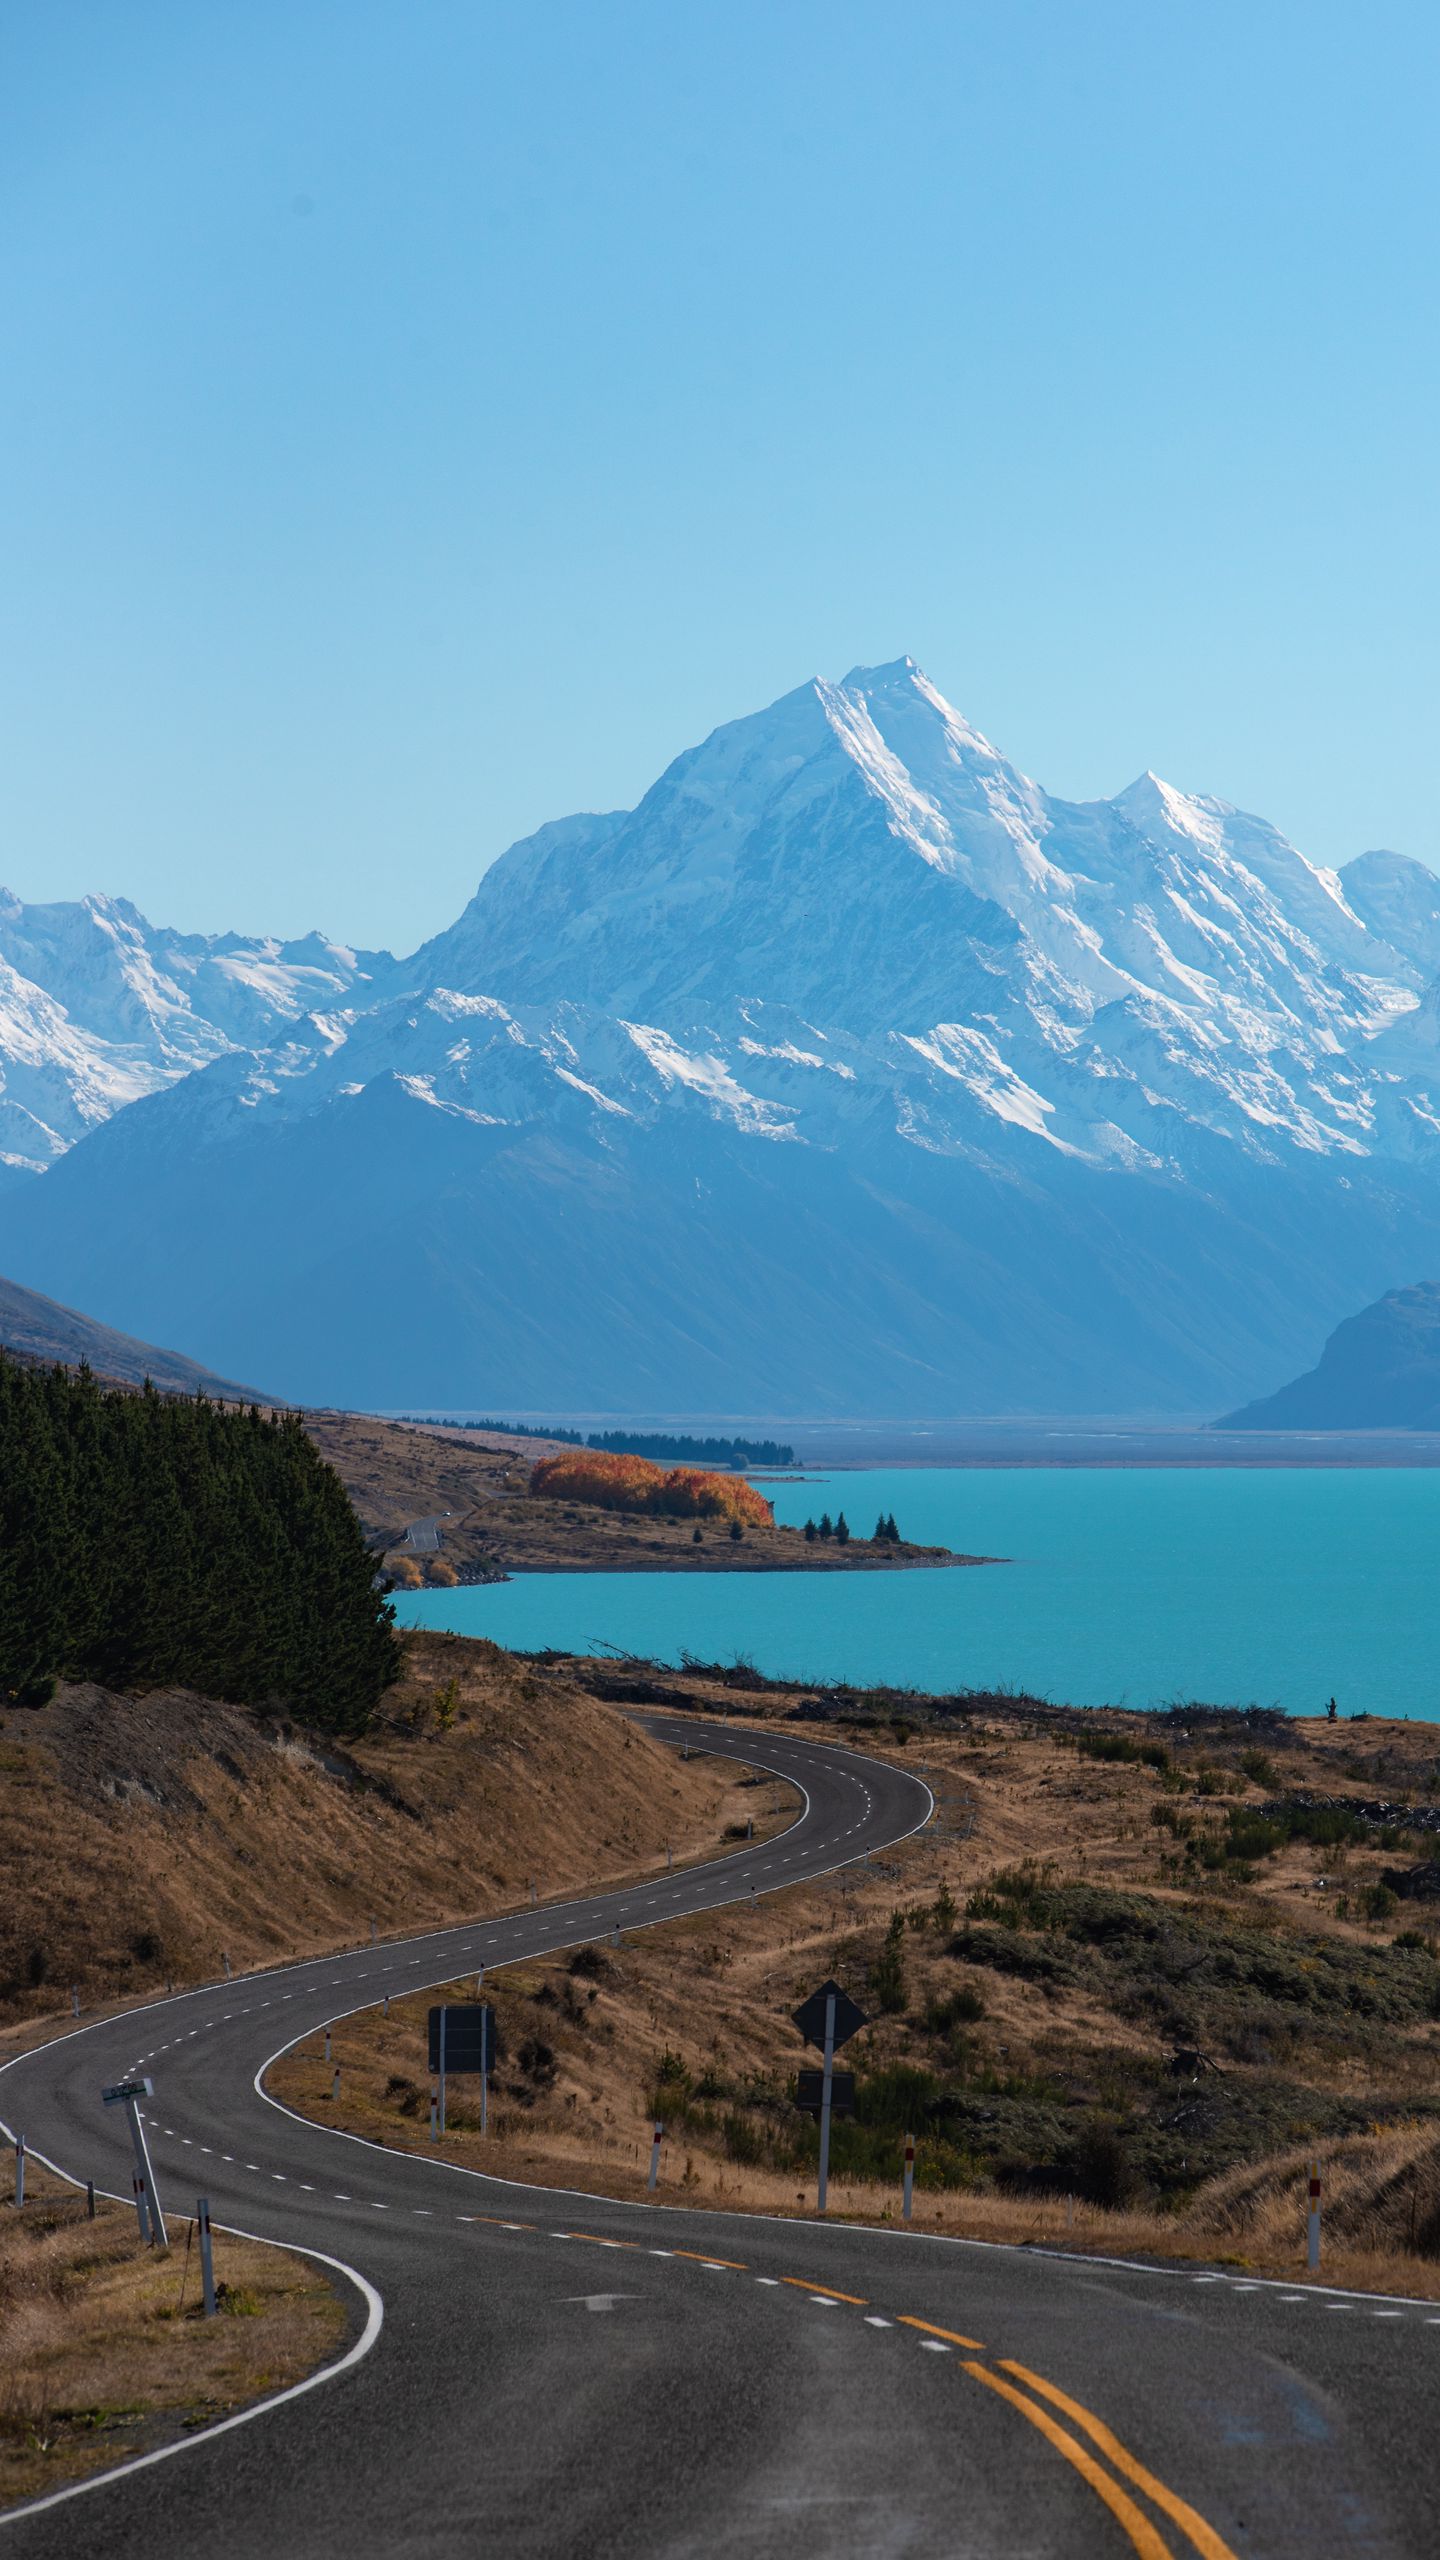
(1125,1589)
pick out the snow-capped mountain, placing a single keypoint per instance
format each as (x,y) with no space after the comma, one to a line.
(97,1007)
(850,1070)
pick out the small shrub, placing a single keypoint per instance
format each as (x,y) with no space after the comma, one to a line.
(1101,2167)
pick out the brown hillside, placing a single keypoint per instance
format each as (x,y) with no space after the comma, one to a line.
(142,1838)
(36,1328)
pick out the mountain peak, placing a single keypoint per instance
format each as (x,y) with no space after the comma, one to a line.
(876,679)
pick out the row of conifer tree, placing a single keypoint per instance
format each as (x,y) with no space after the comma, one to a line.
(148,1540)
(885,1534)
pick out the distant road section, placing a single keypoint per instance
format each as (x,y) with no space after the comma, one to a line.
(423,1536)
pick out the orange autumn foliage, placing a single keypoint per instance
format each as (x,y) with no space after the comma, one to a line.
(617,1482)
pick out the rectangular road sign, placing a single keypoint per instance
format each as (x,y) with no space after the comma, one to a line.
(810,2092)
(810,2016)
(124,2090)
(469,2036)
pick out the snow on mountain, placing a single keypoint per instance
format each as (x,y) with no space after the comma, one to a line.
(1399,900)
(98,1007)
(982,1094)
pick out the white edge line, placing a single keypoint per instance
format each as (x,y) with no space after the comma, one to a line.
(1178,2271)
(374,2322)
(585,2195)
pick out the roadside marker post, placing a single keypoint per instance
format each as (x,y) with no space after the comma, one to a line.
(128,2094)
(137,2184)
(374,1933)
(328,2055)
(19,2168)
(74,1999)
(1313,2236)
(89,2199)
(335,2083)
(226,1963)
(909,2195)
(207,2257)
(669,1859)
(534,1894)
(654,2178)
(444,2022)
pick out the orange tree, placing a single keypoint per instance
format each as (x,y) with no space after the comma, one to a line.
(619,1482)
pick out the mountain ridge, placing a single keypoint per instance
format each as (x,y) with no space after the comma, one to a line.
(995,1099)
(1379,1371)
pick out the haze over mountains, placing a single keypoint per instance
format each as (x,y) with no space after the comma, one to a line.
(849,1073)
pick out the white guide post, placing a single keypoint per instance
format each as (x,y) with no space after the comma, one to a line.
(19,2168)
(207,2256)
(1312,2253)
(654,2178)
(909,2194)
(444,2015)
(158,2232)
(824,2185)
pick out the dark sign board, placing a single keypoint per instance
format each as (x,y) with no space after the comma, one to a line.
(469,2036)
(810,2016)
(125,2090)
(810,2092)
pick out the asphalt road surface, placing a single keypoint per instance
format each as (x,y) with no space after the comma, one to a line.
(423,1536)
(559,2375)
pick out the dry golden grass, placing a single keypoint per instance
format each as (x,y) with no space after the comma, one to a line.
(103,2352)
(717,1992)
(141,1838)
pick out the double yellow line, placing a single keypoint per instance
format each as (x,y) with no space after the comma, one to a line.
(1201,2536)
(1143,2535)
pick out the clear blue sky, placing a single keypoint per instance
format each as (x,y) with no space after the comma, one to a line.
(421,418)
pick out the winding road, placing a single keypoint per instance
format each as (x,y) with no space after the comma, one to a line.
(549,2373)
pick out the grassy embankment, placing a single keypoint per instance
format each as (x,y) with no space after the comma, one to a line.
(140,1838)
(398,1472)
(105,2352)
(1119,2007)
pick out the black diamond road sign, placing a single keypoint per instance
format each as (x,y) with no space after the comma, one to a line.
(810,2016)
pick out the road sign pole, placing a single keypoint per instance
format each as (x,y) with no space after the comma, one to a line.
(909,2196)
(824,2187)
(1313,2237)
(654,2178)
(158,2232)
(444,2014)
(207,2257)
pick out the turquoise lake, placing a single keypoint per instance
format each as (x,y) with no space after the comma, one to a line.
(1127,1587)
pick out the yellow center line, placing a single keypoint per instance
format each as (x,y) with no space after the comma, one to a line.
(1193,2526)
(951,2336)
(703,2258)
(602,2243)
(804,2285)
(1141,2531)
